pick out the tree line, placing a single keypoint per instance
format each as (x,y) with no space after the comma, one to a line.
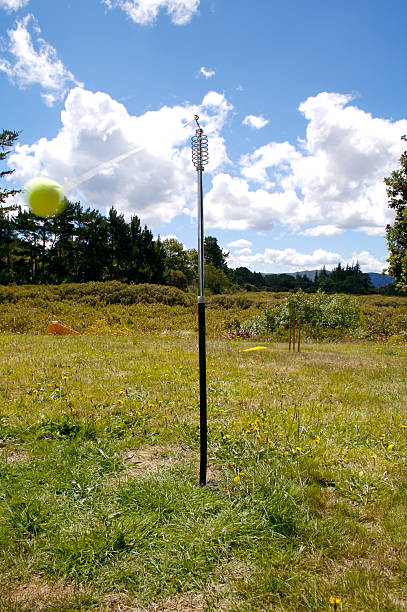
(82,245)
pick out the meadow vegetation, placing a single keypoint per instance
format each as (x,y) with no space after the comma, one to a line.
(100,507)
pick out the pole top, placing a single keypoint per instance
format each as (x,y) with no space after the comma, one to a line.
(200,156)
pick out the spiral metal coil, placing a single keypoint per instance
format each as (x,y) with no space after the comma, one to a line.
(200,154)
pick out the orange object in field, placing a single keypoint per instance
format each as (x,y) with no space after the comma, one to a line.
(62,330)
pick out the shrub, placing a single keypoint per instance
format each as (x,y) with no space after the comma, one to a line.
(110,292)
(322,315)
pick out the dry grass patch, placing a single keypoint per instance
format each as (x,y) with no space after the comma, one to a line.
(38,595)
(14,455)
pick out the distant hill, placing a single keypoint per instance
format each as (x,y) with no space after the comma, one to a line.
(378,280)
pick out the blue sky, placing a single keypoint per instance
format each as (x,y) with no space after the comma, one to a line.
(303,104)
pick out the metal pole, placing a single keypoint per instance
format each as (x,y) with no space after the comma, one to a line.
(200,158)
(202,344)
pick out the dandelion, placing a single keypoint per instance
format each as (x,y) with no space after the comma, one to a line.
(404,426)
(228,436)
(298,448)
(317,439)
(236,479)
(382,437)
(242,473)
(390,447)
(122,392)
(373,456)
(335,601)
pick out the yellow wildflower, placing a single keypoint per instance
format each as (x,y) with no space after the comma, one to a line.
(236,479)
(390,447)
(335,601)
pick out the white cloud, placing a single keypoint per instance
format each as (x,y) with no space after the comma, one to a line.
(146,11)
(31,66)
(276,155)
(322,230)
(13,5)
(246,251)
(231,204)
(207,72)
(337,171)
(255,121)
(242,243)
(157,183)
(169,237)
(291,260)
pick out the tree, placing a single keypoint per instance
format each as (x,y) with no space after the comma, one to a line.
(216,280)
(7,233)
(120,245)
(246,279)
(7,140)
(178,267)
(396,234)
(214,254)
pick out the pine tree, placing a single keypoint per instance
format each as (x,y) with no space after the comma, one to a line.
(8,139)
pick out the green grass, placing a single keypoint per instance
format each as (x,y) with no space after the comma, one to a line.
(99,503)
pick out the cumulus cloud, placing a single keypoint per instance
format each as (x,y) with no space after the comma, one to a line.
(207,72)
(13,5)
(231,204)
(146,11)
(291,260)
(322,230)
(242,243)
(35,66)
(169,237)
(155,183)
(337,170)
(275,156)
(255,121)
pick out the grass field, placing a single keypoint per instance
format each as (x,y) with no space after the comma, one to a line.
(99,503)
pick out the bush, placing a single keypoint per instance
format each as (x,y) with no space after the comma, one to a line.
(322,315)
(110,292)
